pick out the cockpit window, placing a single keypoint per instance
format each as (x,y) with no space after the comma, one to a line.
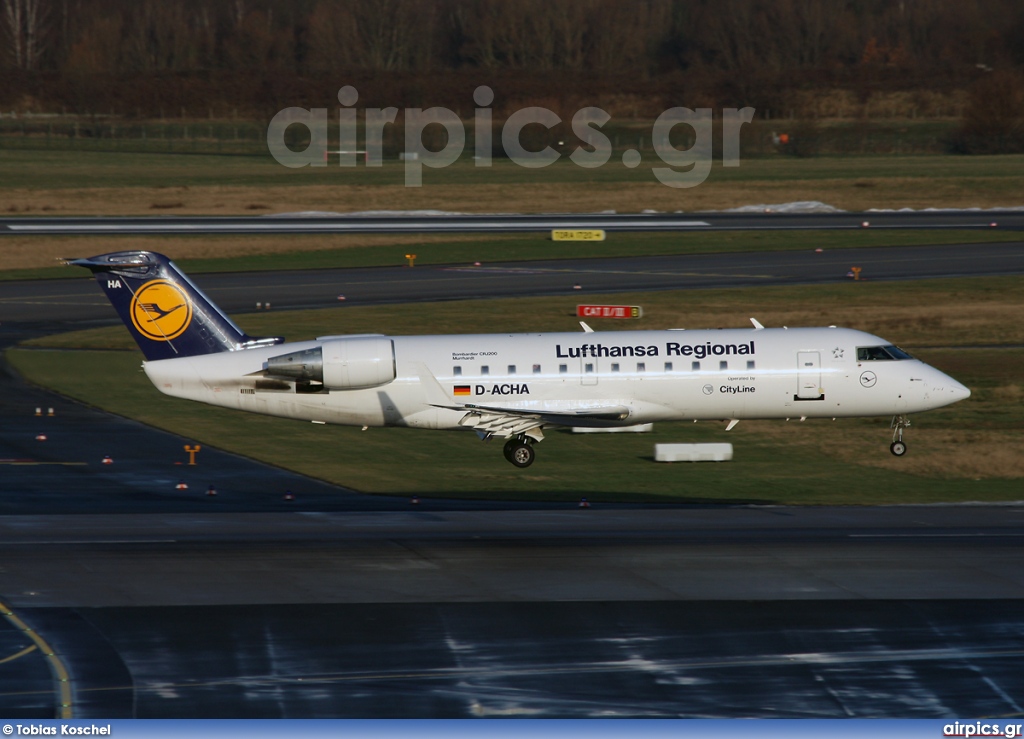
(880,353)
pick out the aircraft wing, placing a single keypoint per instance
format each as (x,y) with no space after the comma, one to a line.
(507,422)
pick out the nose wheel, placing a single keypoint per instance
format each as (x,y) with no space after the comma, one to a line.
(898,447)
(519,452)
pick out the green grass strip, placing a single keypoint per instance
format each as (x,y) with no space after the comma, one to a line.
(535,247)
(967,452)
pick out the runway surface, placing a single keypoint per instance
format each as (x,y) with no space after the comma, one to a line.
(414,222)
(814,659)
(63,301)
(910,612)
(426,555)
(157,602)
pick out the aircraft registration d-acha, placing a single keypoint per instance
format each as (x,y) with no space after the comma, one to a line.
(512,386)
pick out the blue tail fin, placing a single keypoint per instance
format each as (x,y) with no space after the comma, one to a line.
(166,314)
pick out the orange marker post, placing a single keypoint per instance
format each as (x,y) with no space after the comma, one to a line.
(192,451)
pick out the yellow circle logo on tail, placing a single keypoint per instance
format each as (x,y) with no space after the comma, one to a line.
(161,310)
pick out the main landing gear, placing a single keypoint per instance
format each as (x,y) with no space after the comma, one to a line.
(898,448)
(519,451)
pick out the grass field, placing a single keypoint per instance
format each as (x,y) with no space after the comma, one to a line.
(970,328)
(42,183)
(971,451)
(23,258)
(42,170)
(94,183)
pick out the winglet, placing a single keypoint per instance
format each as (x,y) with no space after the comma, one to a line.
(757,324)
(586,328)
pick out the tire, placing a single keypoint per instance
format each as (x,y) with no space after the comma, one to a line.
(898,448)
(509,446)
(521,454)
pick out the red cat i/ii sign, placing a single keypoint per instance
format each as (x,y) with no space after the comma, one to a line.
(609,311)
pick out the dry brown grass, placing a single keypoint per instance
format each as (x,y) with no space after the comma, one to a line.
(934,452)
(36,252)
(983,321)
(1009,394)
(845,105)
(537,197)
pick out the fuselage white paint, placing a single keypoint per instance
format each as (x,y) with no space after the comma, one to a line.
(758,374)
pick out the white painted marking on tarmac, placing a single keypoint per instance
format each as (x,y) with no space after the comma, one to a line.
(487,271)
(1002,694)
(492,671)
(63,542)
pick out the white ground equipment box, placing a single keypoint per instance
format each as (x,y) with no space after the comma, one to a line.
(692,452)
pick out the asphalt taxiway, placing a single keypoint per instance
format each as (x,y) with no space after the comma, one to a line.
(425,553)
(53,302)
(903,611)
(155,602)
(440,222)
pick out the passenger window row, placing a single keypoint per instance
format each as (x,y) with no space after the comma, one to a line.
(588,367)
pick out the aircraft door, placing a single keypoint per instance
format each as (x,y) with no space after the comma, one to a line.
(588,371)
(808,376)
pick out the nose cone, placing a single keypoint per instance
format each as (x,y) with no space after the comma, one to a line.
(946,390)
(959,392)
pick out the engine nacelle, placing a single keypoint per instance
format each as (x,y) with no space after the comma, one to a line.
(339,364)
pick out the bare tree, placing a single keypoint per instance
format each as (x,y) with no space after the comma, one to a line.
(97,49)
(383,35)
(159,38)
(24,22)
(13,22)
(626,36)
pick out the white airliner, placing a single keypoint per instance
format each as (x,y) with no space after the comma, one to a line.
(512,386)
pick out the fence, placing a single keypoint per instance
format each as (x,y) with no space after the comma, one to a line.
(39,132)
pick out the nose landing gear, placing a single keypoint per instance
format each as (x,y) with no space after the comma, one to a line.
(898,447)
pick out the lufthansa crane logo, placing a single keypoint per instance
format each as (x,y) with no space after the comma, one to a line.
(160,310)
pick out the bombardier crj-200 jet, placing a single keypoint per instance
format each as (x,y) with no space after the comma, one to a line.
(512,386)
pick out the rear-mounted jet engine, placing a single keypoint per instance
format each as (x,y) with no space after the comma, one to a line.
(339,364)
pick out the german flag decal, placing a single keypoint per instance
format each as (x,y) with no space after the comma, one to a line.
(462,390)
